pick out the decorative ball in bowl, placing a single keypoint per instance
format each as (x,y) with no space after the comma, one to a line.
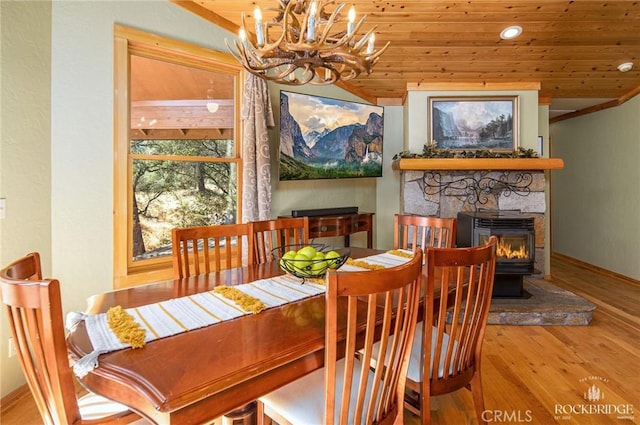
(311,260)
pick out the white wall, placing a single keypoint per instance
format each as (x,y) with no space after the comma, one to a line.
(596,197)
(25,149)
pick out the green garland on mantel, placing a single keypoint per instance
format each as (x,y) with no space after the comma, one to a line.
(430,151)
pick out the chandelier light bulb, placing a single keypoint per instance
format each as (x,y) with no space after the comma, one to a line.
(370,45)
(304,42)
(311,21)
(352,20)
(257,15)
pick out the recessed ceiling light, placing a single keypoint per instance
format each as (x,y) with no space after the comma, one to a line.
(511,32)
(624,67)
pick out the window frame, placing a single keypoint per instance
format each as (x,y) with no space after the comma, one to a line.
(129,42)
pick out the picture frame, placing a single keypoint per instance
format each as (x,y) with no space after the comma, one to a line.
(474,123)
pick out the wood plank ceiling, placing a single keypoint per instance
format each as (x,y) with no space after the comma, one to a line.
(572,48)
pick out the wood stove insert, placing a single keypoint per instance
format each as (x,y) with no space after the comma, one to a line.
(516,245)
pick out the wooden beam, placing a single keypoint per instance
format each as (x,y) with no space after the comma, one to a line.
(478,164)
(181,114)
(208,15)
(390,101)
(181,134)
(470,86)
(595,108)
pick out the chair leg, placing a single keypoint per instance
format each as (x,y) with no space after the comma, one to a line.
(425,409)
(478,398)
(425,403)
(268,416)
(419,403)
(261,418)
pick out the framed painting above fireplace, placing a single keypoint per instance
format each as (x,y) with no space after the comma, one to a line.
(474,122)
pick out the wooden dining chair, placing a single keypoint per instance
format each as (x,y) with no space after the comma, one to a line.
(346,391)
(268,235)
(411,231)
(201,250)
(34,309)
(447,345)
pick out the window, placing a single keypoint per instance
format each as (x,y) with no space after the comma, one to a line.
(177,152)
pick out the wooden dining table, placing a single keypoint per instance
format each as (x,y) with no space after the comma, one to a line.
(196,376)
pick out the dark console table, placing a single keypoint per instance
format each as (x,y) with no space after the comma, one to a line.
(341,225)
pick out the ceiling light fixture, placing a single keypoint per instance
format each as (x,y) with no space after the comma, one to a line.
(211,105)
(624,67)
(511,32)
(300,45)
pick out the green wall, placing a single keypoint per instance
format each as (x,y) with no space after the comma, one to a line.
(596,197)
(25,149)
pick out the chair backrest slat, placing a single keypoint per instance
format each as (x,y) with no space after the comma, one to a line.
(387,301)
(268,235)
(203,249)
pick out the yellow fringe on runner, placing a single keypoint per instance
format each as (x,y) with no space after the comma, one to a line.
(246,302)
(363,264)
(400,253)
(125,327)
(317,280)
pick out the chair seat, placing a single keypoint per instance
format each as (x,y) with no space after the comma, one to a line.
(302,401)
(415,370)
(93,407)
(414,373)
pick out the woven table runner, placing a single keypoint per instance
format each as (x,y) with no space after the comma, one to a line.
(177,315)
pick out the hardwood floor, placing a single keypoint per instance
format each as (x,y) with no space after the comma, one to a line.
(529,370)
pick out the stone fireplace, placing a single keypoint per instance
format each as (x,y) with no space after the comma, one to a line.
(517,185)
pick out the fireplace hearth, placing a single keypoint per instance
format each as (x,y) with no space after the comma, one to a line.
(516,245)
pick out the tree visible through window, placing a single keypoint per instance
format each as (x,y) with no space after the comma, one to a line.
(172,193)
(177,156)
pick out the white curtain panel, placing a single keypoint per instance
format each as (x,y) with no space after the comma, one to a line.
(257,114)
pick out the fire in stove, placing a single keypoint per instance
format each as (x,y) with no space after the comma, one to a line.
(516,245)
(505,250)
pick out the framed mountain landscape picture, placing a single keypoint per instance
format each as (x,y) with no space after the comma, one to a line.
(474,123)
(323,138)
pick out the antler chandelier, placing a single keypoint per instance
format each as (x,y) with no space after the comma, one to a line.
(300,45)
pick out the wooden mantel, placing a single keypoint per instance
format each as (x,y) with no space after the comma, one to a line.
(406,164)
